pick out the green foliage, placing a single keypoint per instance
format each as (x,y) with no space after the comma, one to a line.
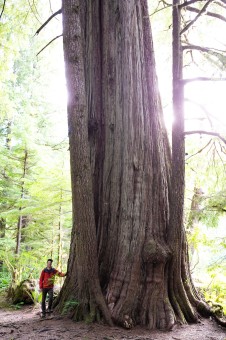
(197,236)
(34,159)
(17,306)
(37,296)
(5,280)
(216,290)
(209,262)
(69,306)
(205,170)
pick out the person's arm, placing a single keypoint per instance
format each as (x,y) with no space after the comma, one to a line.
(41,279)
(60,274)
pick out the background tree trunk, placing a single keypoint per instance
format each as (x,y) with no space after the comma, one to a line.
(22,219)
(2,227)
(120,163)
(183,296)
(194,217)
(60,236)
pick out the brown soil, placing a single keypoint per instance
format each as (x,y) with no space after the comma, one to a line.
(26,324)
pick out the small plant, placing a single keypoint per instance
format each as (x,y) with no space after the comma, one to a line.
(37,296)
(215,292)
(5,280)
(69,305)
(18,305)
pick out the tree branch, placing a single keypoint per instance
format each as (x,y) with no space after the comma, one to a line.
(187,3)
(202,49)
(206,133)
(48,20)
(199,151)
(203,108)
(220,4)
(3,7)
(207,113)
(33,11)
(166,3)
(160,9)
(190,2)
(223,163)
(58,36)
(202,11)
(50,6)
(210,14)
(189,80)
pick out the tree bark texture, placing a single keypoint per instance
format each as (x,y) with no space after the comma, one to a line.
(83,282)
(122,249)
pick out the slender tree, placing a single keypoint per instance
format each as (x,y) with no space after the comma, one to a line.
(21,219)
(2,227)
(184,298)
(128,257)
(60,233)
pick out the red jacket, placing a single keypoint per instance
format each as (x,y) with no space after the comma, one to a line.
(47,277)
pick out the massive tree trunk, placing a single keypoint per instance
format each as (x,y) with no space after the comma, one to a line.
(122,261)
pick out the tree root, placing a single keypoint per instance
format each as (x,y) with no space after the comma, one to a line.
(213,310)
(218,313)
(220,321)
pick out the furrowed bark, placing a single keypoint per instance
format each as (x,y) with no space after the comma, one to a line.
(129,149)
(82,287)
(128,259)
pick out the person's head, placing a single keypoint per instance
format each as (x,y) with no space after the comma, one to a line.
(49,263)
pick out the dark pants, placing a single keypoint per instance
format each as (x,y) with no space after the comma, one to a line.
(46,291)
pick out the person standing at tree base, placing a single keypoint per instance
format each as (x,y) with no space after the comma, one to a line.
(46,284)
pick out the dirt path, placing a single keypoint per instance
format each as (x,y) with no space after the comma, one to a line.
(26,324)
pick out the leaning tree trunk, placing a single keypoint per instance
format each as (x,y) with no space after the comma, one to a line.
(121,248)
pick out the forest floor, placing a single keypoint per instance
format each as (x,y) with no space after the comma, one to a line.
(26,324)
